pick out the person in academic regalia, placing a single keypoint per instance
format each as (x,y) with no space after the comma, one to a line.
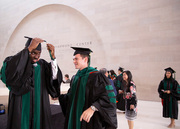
(130,97)
(112,75)
(90,102)
(168,92)
(104,71)
(119,87)
(30,81)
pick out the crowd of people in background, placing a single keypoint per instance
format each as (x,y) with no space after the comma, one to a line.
(125,91)
(126,99)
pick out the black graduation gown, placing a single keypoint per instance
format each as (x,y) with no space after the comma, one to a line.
(170,103)
(119,97)
(19,75)
(96,95)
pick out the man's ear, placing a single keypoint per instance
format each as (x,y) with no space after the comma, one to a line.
(86,59)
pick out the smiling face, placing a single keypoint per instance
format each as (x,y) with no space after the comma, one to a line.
(125,77)
(80,62)
(35,55)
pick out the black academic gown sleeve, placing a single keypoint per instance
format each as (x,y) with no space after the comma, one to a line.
(19,72)
(176,90)
(120,100)
(97,95)
(19,77)
(53,86)
(160,88)
(64,99)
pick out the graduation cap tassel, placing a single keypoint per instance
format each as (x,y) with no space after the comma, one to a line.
(49,52)
(51,55)
(169,69)
(89,60)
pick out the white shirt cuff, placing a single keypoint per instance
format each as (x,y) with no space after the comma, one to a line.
(54,69)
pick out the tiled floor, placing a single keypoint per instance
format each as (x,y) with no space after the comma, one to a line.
(149,117)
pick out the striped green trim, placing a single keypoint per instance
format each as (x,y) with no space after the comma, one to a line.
(113,100)
(111,94)
(109,87)
(118,83)
(178,89)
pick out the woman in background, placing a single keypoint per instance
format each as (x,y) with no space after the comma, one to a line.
(168,93)
(112,75)
(130,98)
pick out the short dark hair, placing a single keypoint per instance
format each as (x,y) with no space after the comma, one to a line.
(66,75)
(85,55)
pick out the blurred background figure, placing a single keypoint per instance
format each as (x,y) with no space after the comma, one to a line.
(130,98)
(105,72)
(112,75)
(168,92)
(119,87)
(67,80)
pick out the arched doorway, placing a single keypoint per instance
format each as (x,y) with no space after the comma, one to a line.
(62,26)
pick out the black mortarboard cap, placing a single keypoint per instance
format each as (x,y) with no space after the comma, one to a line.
(29,41)
(121,69)
(80,50)
(170,70)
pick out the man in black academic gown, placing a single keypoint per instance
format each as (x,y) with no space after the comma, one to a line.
(30,81)
(91,102)
(119,88)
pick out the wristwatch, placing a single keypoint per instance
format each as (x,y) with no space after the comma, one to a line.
(94,108)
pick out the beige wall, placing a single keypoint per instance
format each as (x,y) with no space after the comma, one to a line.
(140,35)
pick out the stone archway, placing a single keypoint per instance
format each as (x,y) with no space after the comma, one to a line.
(62,26)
